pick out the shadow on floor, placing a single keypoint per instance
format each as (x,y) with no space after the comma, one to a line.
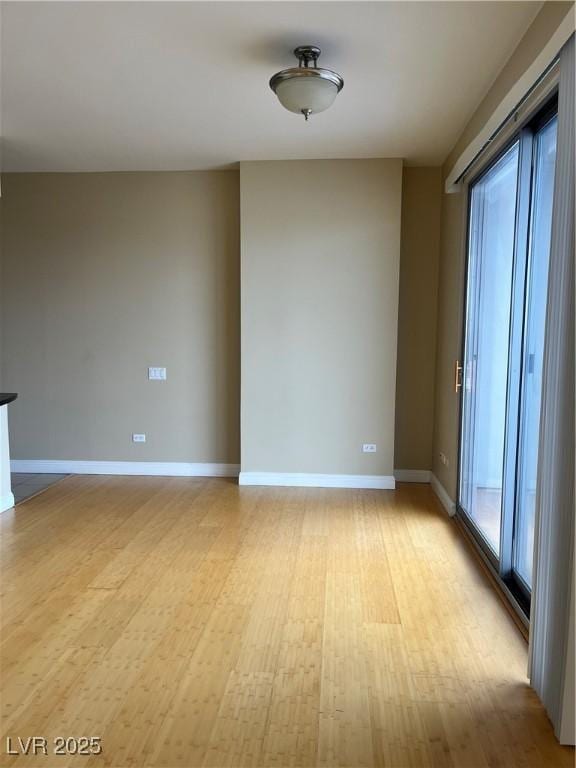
(25,485)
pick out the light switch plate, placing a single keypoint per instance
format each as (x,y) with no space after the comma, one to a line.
(157,374)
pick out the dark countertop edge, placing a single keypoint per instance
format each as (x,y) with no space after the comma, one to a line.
(7,397)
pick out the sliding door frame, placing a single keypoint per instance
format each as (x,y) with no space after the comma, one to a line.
(502,567)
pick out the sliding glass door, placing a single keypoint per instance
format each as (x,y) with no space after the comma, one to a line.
(508,251)
(485,372)
(533,348)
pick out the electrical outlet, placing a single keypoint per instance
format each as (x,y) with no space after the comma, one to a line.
(444,459)
(138,438)
(157,374)
(369,448)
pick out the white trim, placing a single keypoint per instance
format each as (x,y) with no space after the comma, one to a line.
(297,479)
(412,475)
(184,469)
(442,494)
(6,502)
(162,468)
(511,100)
(6,496)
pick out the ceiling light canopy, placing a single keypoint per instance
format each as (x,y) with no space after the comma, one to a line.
(306,89)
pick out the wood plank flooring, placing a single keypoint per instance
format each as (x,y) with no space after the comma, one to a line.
(191,622)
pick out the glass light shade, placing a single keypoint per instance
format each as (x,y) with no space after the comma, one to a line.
(306,93)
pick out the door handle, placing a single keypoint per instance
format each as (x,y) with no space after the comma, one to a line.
(457,376)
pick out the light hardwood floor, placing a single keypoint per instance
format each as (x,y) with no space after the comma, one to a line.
(195,623)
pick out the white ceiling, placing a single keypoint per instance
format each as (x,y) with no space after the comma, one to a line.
(184,85)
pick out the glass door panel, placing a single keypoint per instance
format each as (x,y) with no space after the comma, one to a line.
(533,347)
(485,371)
(509,232)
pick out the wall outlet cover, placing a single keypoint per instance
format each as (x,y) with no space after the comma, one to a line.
(155,373)
(369,448)
(138,438)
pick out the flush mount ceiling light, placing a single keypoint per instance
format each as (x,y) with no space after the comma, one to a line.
(306,89)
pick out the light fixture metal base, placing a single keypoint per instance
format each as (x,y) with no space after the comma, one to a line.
(307,54)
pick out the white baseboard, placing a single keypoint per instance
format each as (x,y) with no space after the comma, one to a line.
(412,475)
(442,494)
(6,502)
(185,469)
(161,468)
(302,479)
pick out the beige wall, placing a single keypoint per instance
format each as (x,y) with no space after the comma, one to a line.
(450,307)
(104,275)
(108,273)
(452,251)
(538,34)
(419,256)
(320,249)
